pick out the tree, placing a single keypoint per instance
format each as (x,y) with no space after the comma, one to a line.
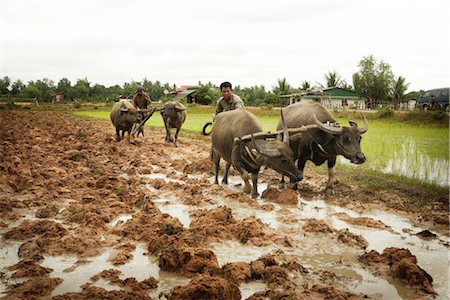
(82,88)
(254,95)
(98,92)
(46,88)
(305,86)
(282,87)
(64,86)
(17,87)
(206,95)
(399,89)
(333,79)
(374,79)
(4,84)
(31,91)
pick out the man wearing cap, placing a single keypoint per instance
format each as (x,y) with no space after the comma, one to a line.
(141,99)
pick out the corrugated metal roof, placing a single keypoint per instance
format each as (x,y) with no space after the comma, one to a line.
(185,93)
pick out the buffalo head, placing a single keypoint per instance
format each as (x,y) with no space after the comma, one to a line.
(347,139)
(278,154)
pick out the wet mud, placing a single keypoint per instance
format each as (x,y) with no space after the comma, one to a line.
(85,217)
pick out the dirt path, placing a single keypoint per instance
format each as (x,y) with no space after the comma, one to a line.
(67,189)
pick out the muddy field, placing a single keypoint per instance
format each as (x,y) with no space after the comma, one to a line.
(85,217)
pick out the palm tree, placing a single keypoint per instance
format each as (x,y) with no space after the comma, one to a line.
(333,79)
(305,85)
(283,87)
(399,88)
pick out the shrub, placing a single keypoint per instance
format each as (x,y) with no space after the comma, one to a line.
(438,115)
(76,103)
(385,113)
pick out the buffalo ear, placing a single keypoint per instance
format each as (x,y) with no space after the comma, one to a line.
(353,124)
(179,108)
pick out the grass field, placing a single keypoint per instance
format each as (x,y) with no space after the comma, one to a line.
(417,150)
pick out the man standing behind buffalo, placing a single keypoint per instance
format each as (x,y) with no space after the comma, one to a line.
(228,101)
(141,99)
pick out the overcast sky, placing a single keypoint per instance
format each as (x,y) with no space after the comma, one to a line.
(246,42)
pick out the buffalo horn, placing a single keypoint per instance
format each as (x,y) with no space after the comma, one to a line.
(366,125)
(123,109)
(285,129)
(266,152)
(327,128)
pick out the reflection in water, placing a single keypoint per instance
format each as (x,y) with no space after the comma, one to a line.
(407,160)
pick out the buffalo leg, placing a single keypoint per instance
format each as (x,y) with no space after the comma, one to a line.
(216,161)
(225,176)
(244,175)
(168,137)
(117,135)
(282,182)
(255,185)
(176,136)
(128,135)
(331,175)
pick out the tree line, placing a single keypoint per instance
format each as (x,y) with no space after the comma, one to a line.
(373,79)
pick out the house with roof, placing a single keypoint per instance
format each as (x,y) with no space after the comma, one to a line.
(332,97)
(185,91)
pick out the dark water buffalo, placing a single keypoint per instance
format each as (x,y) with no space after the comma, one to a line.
(248,155)
(123,116)
(174,115)
(326,142)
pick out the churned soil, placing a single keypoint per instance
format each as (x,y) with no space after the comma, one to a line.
(64,179)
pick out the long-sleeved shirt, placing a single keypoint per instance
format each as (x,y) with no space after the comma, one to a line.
(234,102)
(142,100)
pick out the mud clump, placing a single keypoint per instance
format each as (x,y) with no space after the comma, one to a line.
(31,229)
(48,211)
(28,268)
(237,272)
(190,261)
(35,288)
(401,264)
(286,196)
(215,223)
(207,287)
(426,235)
(366,222)
(351,239)
(320,226)
(93,292)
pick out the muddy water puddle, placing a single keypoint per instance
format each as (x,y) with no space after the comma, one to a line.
(432,255)
(394,231)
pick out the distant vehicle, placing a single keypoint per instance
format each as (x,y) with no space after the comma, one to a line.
(441,99)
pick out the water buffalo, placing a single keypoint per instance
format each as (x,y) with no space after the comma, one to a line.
(326,142)
(123,116)
(174,115)
(248,155)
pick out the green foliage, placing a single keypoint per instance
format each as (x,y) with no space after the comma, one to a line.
(4,85)
(399,89)
(206,94)
(333,79)
(305,86)
(282,87)
(385,113)
(17,87)
(374,79)
(77,103)
(438,115)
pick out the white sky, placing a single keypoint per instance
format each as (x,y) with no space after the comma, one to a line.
(246,42)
